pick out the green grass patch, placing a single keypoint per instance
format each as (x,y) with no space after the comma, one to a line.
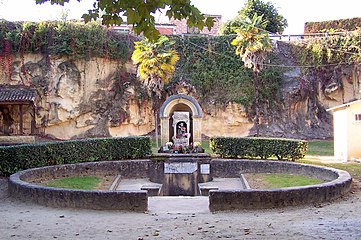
(351,167)
(281,180)
(320,148)
(83,183)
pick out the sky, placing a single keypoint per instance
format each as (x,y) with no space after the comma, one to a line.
(296,12)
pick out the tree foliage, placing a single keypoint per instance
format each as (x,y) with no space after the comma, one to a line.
(140,14)
(218,75)
(156,63)
(252,43)
(276,23)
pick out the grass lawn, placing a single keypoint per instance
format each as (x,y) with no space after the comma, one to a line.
(281,180)
(320,148)
(352,167)
(84,183)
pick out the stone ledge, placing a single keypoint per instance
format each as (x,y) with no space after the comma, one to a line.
(20,186)
(16,139)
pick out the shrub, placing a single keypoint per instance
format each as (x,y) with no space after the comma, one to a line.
(20,157)
(283,149)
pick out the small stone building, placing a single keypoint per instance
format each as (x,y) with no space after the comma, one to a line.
(17,113)
(347,130)
(180,117)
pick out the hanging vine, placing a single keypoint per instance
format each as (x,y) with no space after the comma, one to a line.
(218,75)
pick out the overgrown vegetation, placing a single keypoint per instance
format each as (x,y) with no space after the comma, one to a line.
(264,148)
(339,50)
(328,61)
(83,183)
(340,25)
(207,63)
(71,39)
(17,158)
(218,75)
(64,38)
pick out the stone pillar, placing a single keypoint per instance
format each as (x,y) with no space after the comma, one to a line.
(197,129)
(164,130)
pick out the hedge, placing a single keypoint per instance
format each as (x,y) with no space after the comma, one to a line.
(264,148)
(21,157)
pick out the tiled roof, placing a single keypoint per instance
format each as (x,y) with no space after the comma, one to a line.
(16,94)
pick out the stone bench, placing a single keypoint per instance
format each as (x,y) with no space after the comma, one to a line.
(152,189)
(204,190)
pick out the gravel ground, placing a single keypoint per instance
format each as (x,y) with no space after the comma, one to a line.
(340,219)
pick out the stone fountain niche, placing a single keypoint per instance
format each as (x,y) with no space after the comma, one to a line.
(180,111)
(180,174)
(181,131)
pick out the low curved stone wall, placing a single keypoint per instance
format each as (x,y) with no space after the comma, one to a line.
(20,186)
(337,183)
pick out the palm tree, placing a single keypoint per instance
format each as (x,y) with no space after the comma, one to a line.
(156,63)
(252,43)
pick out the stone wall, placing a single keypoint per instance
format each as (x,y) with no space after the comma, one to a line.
(21,186)
(84,98)
(337,183)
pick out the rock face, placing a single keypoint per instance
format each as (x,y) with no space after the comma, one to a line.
(100,98)
(307,93)
(81,98)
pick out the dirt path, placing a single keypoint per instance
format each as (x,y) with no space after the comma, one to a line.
(338,220)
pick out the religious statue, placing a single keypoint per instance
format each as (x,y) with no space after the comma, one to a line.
(181,130)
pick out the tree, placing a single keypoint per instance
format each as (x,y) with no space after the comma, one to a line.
(156,64)
(139,13)
(252,43)
(276,23)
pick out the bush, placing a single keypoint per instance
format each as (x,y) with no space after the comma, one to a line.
(20,157)
(283,149)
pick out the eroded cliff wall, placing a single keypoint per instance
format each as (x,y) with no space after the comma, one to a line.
(99,97)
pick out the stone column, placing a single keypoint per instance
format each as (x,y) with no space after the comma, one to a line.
(197,129)
(164,130)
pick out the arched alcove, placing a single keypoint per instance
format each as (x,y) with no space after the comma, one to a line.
(180,103)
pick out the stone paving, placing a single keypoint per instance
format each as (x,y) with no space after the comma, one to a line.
(217,183)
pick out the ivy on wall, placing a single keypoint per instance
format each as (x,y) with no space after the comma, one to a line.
(218,74)
(67,38)
(207,63)
(72,39)
(337,50)
(341,25)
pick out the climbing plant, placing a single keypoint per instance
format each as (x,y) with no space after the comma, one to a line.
(72,39)
(68,38)
(338,50)
(218,75)
(207,63)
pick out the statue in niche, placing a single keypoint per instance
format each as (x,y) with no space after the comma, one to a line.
(181,130)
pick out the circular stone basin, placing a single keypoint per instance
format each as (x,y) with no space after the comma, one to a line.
(337,183)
